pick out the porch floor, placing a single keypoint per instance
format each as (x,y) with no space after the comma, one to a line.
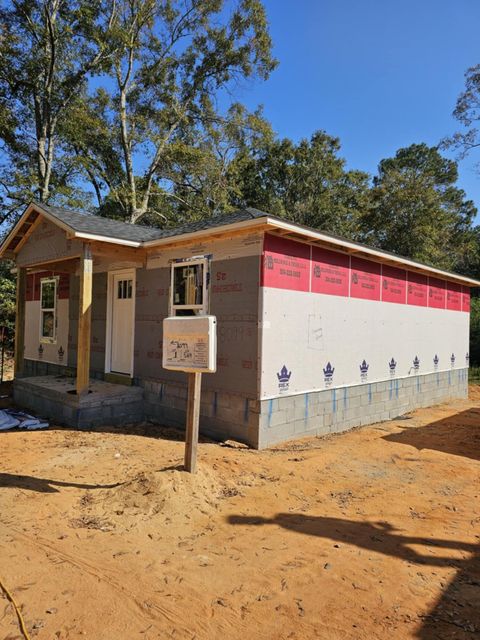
(54,398)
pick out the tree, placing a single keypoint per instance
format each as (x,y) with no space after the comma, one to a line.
(418,212)
(7,302)
(467,112)
(48,50)
(173,60)
(305,182)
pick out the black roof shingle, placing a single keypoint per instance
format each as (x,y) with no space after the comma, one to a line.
(84,222)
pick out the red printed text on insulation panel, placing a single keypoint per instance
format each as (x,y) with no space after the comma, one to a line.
(465,299)
(286,264)
(454,296)
(394,285)
(417,289)
(330,271)
(436,293)
(365,279)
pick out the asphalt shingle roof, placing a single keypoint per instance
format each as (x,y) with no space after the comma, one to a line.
(84,222)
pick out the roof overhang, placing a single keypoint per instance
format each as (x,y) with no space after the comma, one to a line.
(30,217)
(304,234)
(34,212)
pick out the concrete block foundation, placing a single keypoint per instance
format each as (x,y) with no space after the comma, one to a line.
(223,415)
(339,409)
(54,398)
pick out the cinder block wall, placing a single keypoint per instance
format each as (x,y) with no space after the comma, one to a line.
(340,409)
(223,414)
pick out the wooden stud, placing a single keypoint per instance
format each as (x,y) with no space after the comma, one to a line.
(20,322)
(193,418)
(84,320)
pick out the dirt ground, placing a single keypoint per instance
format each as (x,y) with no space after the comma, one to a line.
(373,534)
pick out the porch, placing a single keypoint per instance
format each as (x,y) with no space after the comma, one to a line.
(56,397)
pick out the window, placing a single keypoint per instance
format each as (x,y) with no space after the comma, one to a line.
(189,287)
(124,289)
(48,309)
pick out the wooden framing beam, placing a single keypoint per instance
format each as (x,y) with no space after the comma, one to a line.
(20,322)
(84,320)
(193,417)
(68,265)
(104,250)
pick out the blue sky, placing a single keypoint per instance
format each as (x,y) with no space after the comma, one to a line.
(379,74)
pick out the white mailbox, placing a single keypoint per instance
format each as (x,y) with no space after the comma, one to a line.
(190,343)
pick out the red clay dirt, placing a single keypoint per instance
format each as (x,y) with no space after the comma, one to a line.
(372,534)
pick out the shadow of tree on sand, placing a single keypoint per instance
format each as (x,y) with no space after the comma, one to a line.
(458,607)
(458,435)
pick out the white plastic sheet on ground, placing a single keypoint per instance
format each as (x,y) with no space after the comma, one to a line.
(9,419)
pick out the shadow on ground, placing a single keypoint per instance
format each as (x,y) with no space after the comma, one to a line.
(458,435)
(458,608)
(44,485)
(142,429)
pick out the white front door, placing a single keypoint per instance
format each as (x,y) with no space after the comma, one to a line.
(122,314)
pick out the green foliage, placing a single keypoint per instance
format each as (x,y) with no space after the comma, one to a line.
(7,301)
(47,52)
(305,182)
(475,332)
(468,115)
(157,118)
(418,212)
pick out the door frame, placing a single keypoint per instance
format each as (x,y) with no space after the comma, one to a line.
(130,274)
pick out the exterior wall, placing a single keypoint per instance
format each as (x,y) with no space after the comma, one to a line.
(234,287)
(330,320)
(348,342)
(304,332)
(334,410)
(45,351)
(223,414)
(99,320)
(47,242)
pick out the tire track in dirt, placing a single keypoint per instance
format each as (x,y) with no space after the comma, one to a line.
(145,608)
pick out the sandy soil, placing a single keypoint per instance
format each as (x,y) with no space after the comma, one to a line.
(373,534)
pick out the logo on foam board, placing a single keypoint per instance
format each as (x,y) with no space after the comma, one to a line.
(328,372)
(283,379)
(364,370)
(416,364)
(452,360)
(435,362)
(467,358)
(269,262)
(392,365)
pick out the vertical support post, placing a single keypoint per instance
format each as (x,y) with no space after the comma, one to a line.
(3,334)
(84,320)
(20,321)
(193,417)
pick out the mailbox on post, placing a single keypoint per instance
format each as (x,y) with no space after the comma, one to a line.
(190,344)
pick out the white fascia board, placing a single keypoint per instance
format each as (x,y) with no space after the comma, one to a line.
(15,229)
(97,238)
(381,255)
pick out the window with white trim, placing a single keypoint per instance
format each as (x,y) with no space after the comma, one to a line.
(189,287)
(48,309)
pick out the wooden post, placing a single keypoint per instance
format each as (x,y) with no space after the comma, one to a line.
(193,416)
(84,320)
(20,321)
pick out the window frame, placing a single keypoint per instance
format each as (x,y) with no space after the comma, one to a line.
(201,309)
(43,281)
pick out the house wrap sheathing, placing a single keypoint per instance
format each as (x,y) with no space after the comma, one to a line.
(315,334)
